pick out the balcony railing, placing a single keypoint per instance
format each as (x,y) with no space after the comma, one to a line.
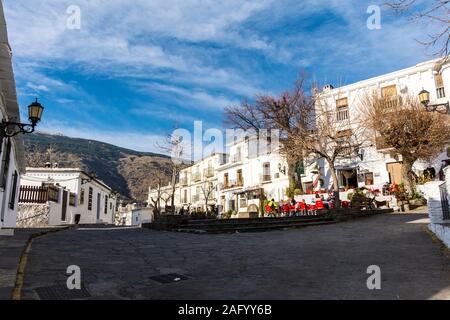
(208,173)
(381,144)
(236,158)
(392,102)
(440,92)
(266,178)
(231,184)
(196,176)
(38,195)
(342,114)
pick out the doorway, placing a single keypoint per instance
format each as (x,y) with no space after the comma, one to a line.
(395,172)
(64,205)
(98,205)
(349,178)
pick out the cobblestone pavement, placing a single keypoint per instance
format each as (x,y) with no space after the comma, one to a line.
(323,262)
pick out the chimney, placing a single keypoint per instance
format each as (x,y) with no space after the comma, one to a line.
(327,87)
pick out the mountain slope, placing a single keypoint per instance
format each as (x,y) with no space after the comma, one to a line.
(127,171)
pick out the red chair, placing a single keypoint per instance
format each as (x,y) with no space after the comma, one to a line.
(285,209)
(302,208)
(292,210)
(312,209)
(345,204)
(320,205)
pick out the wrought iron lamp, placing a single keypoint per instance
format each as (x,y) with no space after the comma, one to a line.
(424,98)
(11,129)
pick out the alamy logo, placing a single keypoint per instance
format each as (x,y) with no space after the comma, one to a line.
(374,20)
(74,280)
(374,280)
(74,19)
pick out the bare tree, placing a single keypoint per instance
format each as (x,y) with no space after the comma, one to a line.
(208,188)
(309,127)
(408,129)
(160,180)
(174,145)
(436,12)
(287,113)
(326,138)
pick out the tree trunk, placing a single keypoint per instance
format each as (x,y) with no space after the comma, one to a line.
(337,200)
(294,179)
(174,180)
(408,182)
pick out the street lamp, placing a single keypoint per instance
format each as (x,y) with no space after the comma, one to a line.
(424,98)
(281,168)
(11,129)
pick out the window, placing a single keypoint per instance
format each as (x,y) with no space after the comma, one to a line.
(225,180)
(240,178)
(342,112)
(368,179)
(82,196)
(5,164)
(106,204)
(12,201)
(91,192)
(266,172)
(440,91)
(389,91)
(72,199)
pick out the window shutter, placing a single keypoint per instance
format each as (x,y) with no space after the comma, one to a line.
(5,164)
(12,201)
(342,103)
(438,80)
(389,91)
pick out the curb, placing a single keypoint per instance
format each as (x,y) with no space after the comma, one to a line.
(17,292)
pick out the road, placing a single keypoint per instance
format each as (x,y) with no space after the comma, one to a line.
(322,262)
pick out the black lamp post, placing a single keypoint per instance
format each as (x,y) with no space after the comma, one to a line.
(11,129)
(424,97)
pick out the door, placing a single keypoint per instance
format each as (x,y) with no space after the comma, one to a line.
(395,172)
(64,205)
(98,205)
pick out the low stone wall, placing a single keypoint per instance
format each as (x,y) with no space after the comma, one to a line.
(33,216)
(438,225)
(442,231)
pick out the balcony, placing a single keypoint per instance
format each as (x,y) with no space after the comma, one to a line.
(381,144)
(440,93)
(184,181)
(208,173)
(391,102)
(342,114)
(196,177)
(236,158)
(231,184)
(196,198)
(265,178)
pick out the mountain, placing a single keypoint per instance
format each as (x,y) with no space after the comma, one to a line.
(126,171)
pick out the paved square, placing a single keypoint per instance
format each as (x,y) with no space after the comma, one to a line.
(322,262)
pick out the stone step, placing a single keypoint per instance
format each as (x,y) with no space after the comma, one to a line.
(252,228)
(253,220)
(245,222)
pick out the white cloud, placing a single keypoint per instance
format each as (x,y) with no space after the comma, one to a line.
(130,140)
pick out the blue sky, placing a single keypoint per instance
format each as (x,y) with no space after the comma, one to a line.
(136,68)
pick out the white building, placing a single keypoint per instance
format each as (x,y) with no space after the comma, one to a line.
(195,182)
(11,149)
(253,172)
(245,177)
(81,198)
(379,165)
